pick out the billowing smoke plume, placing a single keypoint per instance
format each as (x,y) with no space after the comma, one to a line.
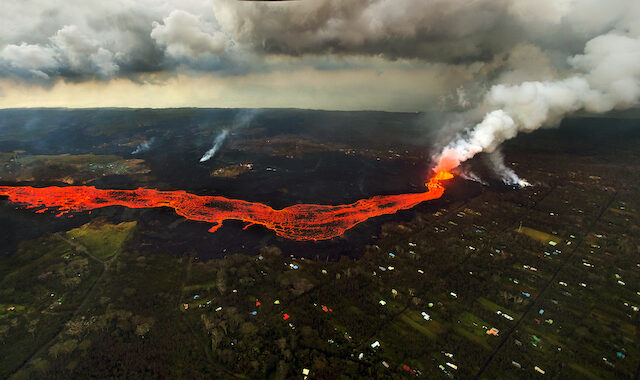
(217,143)
(606,77)
(144,146)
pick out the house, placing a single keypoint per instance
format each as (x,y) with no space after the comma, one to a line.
(493,331)
(409,369)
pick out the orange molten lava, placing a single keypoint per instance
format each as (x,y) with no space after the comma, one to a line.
(299,222)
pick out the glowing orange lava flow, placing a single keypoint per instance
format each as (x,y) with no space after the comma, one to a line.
(299,222)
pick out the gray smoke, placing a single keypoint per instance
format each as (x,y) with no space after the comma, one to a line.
(506,174)
(242,120)
(144,146)
(605,77)
(217,143)
(471,176)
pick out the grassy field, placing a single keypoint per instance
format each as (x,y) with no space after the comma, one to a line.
(427,328)
(101,239)
(71,169)
(540,236)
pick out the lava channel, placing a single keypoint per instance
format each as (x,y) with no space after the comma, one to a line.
(297,222)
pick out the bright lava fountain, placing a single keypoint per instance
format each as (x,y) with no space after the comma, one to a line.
(298,222)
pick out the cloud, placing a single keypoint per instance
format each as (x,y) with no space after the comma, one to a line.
(186,36)
(69,52)
(438,30)
(468,46)
(81,55)
(30,60)
(451,30)
(149,35)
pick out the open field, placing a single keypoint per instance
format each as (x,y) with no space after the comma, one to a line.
(102,239)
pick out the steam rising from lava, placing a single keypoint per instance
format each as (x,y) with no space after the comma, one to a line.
(607,77)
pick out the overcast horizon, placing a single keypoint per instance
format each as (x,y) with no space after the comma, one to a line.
(332,55)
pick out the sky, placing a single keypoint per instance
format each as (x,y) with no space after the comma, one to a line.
(393,55)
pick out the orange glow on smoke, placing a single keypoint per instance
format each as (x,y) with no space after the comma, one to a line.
(298,222)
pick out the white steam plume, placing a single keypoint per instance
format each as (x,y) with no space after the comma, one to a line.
(217,143)
(471,176)
(144,146)
(242,120)
(607,77)
(507,175)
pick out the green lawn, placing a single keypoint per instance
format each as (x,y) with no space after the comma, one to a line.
(102,240)
(540,236)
